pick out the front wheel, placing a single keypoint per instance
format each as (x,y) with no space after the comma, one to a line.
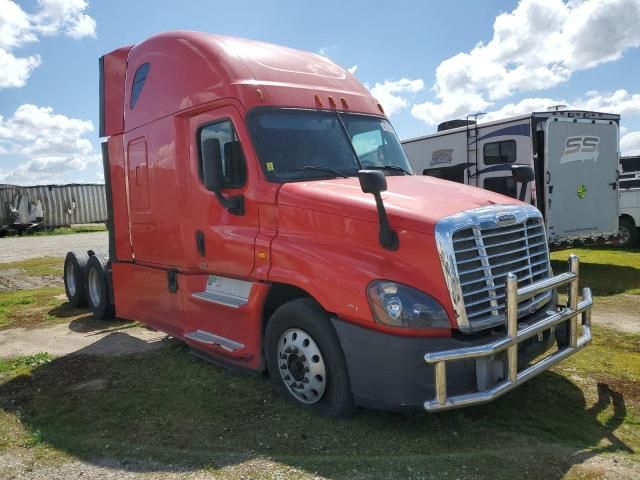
(305,360)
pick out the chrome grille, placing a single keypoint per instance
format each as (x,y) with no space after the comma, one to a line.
(484,255)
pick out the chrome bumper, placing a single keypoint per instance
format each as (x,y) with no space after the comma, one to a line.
(514,337)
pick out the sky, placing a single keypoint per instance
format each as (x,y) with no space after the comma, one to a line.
(425,61)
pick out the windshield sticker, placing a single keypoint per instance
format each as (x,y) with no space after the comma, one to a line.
(438,157)
(269,166)
(580,149)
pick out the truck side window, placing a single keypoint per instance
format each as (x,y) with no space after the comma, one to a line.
(138,82)
(499,152)
(233,161)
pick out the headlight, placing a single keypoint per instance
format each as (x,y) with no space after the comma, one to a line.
(397,305)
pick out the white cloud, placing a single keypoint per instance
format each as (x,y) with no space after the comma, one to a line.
(630,144)
(46,144)
(392,93)
(536,46)
(64,16)
(353,70)
(15,26)
(19,28)
(15,71)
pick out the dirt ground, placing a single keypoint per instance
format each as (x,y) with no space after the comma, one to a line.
(21,248)
(14,279)
(80,337)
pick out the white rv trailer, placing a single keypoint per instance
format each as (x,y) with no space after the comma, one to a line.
(574,155)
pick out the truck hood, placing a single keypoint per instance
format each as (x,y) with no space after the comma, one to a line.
(412,202)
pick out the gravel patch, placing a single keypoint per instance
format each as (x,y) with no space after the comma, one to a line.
(81,337)
(14,249)
(14,279)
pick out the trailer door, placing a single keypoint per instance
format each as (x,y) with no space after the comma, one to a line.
(581,170)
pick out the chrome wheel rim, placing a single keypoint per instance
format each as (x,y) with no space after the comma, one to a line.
(302,366)
(71,279)
(94,286)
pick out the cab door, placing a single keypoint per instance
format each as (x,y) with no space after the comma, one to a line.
(216,289)
(223,240)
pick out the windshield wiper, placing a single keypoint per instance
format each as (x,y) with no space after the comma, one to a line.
(325,169)
(395,168)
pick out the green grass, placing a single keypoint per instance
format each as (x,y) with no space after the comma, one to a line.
(87,228)
(32,307)
(607,271)
(72,229)
(169,408)
(43,266)
(13,367)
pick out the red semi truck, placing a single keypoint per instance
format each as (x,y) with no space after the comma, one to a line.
(262,210)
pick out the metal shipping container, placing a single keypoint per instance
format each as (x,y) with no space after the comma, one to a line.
(52,205)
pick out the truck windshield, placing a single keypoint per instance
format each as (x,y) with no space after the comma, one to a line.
(302,144)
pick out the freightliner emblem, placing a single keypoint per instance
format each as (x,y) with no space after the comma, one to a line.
(506,219)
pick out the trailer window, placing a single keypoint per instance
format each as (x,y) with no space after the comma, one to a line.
(233,161)
(138,82)
(499,152)
(503,185)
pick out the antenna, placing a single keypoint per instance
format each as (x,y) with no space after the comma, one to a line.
(555,108)
(475,115)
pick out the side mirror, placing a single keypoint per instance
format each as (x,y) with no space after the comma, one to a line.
(374,182)
(214,176)
(212,165)
(523,174)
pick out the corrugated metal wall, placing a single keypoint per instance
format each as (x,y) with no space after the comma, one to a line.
(62,204)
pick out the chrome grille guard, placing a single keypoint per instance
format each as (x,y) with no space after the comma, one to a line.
(514,337)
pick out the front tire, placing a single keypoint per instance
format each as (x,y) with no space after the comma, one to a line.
(97,288)
(305,359)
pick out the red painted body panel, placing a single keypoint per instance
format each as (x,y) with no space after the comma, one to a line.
(412,202)
(319,236)
(154,183)
(204,68)
(114,72)
(119,198)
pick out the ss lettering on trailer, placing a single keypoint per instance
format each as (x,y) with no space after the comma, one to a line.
(580,148)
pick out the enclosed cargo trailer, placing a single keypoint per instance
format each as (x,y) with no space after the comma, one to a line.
(46,206)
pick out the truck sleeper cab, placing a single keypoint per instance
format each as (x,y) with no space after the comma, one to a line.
(263,211)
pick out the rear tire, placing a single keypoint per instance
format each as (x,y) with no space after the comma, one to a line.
(97,288)
(75,270)
(305,359)
(628,233)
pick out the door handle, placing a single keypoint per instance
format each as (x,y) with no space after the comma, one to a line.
(200,245)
